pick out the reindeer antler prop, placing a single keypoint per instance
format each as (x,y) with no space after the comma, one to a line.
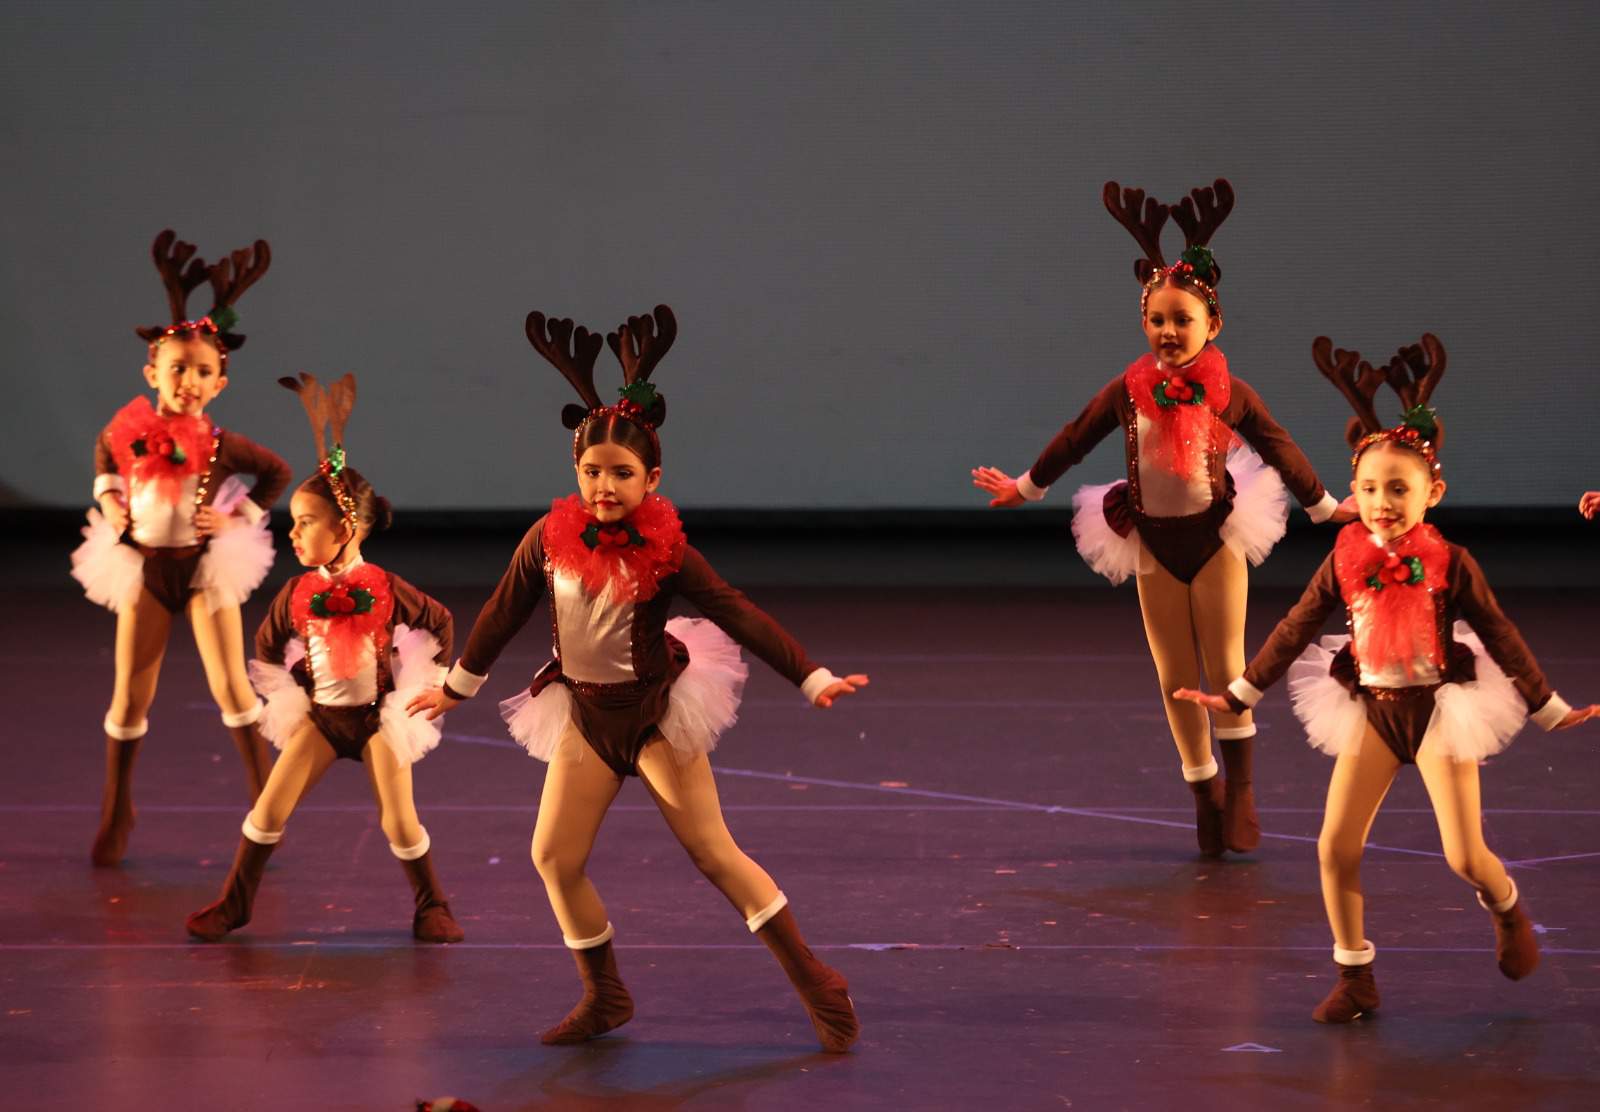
(1199,215)
(329,408)
(1413,373)
(638,343)
(182,272)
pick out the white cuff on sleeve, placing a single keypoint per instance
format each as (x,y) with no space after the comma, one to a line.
(1245,691)
(108,482)
(1029,489)
(815,684)
(463,681)
(1323,510)
(1550,715)
(250,511)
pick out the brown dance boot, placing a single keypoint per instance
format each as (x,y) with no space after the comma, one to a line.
(1209,803)
(606,1004)
(822,988)
(1241,831)
(117,815)
(232,909)
(431,921)
(1516,950)
(1354,994)
(254,750)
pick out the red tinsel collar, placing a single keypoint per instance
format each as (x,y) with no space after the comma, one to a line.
(346,611)
(1389,589)
(1181,406)
(629,558)
(150,448)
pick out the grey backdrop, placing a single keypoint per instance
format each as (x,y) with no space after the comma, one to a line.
(879,223)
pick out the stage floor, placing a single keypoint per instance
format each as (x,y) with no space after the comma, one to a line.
(993,844)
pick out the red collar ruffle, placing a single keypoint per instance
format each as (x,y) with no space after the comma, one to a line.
(1390,590)
(1182,406)
(651,548)
(347,611)
(163,451)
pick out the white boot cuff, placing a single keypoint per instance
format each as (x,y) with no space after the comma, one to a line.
(590,943)
(1356,957)
(259,836)
(761,918)
(1201,772)
(411,853)
(248,717)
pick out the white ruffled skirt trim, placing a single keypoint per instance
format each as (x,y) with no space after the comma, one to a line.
(702,704)
(112,573)
(1106,551)
(414,669)
(1470,721)
(1256,523)
(1260,513)
(236,560)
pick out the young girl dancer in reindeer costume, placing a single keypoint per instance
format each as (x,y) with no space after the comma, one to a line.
(629,692)
(177,531)
(344,647)
(1410,684)
(1196,505)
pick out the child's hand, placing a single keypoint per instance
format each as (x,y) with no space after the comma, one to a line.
(1589,504)
(433,700)
(1210,702)
(115,511)
(1577,715)
(999,484)
(1346,513)
(208,521)
(846,686)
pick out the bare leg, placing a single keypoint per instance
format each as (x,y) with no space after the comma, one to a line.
(305,759)
(686,794)
(578,789)
(1217,601)
(141,643)
(1454,790)
(431,920)
(220,639)
(1169,627)
(1361,778)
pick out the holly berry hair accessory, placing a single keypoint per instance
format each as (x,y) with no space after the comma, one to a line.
(1412,373)
(182,272)
(638,343)
(1199,215)
(328,408)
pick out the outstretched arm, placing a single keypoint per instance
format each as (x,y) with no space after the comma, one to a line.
(1477,604)
(1263,433)
(757,631)
(1075,440)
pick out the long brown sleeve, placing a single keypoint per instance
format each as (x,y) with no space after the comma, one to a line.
(422,611)
(1256,424)
(1079,436)
(277,629)
(105,463)
(239,455)
(1297,629)
(506,612)
(741,619)
(1475,602)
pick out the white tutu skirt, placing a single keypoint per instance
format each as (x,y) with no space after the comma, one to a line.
(1256,523)
(1470,721)
(412,664)
(702,704)
(1260,513)
(232,566)
(112,573)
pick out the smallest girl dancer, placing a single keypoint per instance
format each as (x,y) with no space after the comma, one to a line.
(343,648)
(1411,684)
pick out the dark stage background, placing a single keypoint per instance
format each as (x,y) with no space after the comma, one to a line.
(880,225)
